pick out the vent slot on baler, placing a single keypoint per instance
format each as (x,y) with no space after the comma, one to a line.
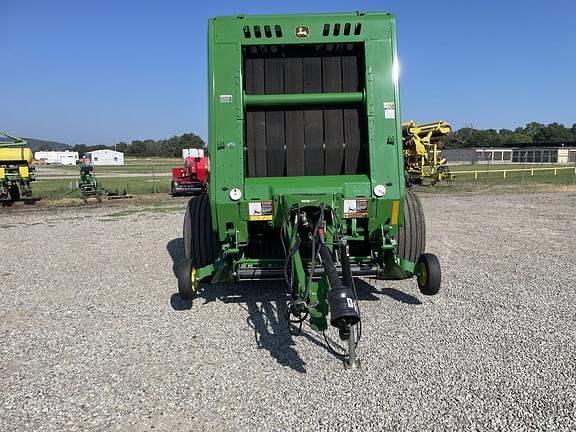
(312,138)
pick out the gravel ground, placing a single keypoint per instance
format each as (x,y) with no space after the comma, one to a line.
(93,336)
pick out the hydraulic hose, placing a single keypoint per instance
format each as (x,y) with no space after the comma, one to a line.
(329,267)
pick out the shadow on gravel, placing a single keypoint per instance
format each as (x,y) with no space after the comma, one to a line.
(365,291)
(369,292)
(265,305)
(264,302)
(21,202)
(175,248)
(401,296)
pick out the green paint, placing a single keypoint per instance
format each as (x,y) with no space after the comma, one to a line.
(383,142)
(303,99)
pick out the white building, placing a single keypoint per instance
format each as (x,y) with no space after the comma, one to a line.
(60,157)
(539,155)
(104,157)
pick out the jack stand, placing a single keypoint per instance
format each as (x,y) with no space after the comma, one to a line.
(353,362)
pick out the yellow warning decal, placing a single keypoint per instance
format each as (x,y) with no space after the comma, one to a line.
(23,171)
(260,211)
(260,218)
(395,211)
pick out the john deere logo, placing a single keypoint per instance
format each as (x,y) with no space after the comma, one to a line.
(302,32)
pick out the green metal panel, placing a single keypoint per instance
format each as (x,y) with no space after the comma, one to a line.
(373,24)
(304,99)
(227,103)
(382,122)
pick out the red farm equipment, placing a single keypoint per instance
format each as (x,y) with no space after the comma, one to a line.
(192,179)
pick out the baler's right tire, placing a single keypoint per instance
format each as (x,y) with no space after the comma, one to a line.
(430,274)
(187,282)
(412,234)
(201,243)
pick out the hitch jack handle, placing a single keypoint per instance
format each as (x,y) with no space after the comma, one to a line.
(344,316)
(352,362)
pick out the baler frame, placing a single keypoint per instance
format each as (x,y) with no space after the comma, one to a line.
(306,148)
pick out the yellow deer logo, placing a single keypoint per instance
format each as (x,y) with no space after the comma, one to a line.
(302,32)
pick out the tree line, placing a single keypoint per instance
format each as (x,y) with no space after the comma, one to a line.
(534,133)
(168,148)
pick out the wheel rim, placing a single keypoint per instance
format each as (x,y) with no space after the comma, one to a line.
(423,276)
(193,280)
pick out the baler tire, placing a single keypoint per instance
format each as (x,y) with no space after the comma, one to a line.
(187,283)
(430,274)
(412,234)
(201,243)
(187,236)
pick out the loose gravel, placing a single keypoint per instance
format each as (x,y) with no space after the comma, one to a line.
(93,336)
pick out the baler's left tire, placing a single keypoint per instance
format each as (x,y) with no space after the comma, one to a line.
(187,282)
(429,275)
(201,243)
(412,234)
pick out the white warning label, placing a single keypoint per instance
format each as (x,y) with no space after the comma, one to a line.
(356,208)
(389,110)
(260,211)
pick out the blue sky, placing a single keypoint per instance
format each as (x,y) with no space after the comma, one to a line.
(98,72)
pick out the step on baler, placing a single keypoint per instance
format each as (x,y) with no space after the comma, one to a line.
(307,170)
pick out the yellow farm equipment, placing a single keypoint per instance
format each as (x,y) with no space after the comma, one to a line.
(422,147)
(16,169)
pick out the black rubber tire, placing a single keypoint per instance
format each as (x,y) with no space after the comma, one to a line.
(430,285)
(185,288)
(201,243)
(14,193)
(173,189)
(412,234)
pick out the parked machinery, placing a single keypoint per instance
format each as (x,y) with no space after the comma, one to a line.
(307,167)
(88,185)
(191,179)
(16,169)
(422,144)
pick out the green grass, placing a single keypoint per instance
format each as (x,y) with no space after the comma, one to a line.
(55,189)
(143,166)
(494,175)
(483,167)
